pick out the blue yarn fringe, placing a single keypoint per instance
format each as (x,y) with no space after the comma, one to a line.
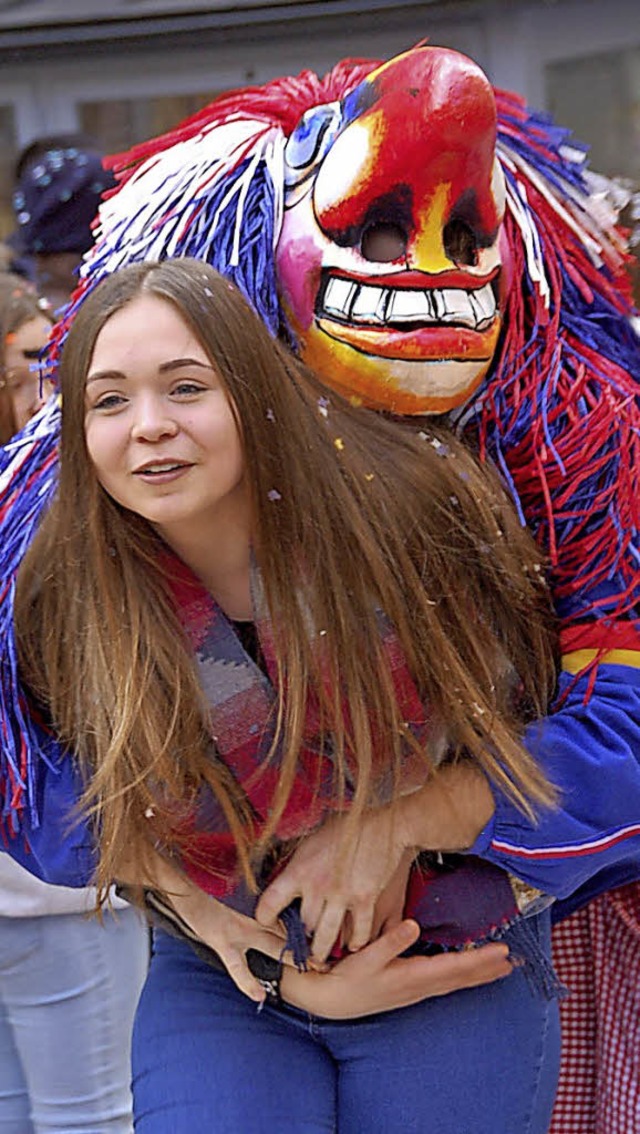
(297,942)
(27,749)
(254,274)
(525,949)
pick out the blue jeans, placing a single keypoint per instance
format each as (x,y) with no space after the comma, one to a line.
(68,993)
(481,1061)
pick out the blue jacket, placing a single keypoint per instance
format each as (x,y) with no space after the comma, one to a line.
(591,752)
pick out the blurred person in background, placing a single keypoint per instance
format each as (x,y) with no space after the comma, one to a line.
(6,257)
(60,180)
(25,322)
(69,984)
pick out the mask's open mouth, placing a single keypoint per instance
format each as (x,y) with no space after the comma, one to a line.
(368,304)
(458,320)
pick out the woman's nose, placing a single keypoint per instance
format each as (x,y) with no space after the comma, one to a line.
(153,420)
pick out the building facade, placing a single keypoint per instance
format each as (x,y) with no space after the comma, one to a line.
(123,70)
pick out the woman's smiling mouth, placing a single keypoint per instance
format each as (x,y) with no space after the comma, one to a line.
(160,472)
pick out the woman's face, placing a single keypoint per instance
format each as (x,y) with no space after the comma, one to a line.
(159,427)
(21,372)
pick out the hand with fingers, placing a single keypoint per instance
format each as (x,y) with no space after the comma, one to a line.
(378,979)
(348,890)
(231,934)
(227,932)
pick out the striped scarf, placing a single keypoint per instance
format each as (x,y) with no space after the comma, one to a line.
(458,901)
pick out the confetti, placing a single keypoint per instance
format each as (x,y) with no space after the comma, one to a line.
(339,444)
(369,476)
(441,450)
(273,494)
(270,415)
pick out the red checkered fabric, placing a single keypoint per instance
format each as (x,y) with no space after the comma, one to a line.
(597,956)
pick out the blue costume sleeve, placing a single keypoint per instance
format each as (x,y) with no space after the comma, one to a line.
(40,784)
(49,842)
(590,749)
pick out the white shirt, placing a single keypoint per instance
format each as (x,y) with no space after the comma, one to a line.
(24,895)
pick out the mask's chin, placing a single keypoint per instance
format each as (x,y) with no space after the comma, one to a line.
(408,385)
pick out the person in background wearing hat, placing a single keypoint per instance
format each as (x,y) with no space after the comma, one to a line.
(59,183)
(69,984)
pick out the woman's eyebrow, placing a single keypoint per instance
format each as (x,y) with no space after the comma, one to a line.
(176,363)
(35,352)
(101,375)
(164,368)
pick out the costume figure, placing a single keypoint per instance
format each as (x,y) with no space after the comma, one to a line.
(429,246)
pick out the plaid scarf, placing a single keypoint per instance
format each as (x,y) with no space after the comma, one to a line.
(459,901)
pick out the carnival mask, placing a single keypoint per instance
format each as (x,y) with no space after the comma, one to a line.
(389,260)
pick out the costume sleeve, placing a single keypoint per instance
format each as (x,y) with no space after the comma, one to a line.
(45,836)
(590,749)
(40,783)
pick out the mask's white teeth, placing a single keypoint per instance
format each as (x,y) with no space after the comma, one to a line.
(337,297)
(387,306)
(457,308)
(369,304)
(486,300)
(410,306)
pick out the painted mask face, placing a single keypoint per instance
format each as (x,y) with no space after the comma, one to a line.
(389,260)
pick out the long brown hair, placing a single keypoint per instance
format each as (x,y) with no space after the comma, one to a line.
(19,304)
(352,514)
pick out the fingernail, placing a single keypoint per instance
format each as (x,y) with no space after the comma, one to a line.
(319,966)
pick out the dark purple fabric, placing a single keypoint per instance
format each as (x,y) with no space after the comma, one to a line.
(460,902)
(57,200)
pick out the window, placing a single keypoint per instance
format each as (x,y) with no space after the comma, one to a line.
(598,97)
(8,154)
(118,124)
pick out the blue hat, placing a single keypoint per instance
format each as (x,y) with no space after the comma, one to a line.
(57,198)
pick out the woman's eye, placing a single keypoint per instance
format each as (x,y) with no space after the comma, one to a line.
(310,141)
(17,376)
(109,402)
(187,389)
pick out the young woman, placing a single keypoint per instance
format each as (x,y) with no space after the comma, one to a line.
(283,629)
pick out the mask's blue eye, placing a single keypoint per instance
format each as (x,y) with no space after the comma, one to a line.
(310,141)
